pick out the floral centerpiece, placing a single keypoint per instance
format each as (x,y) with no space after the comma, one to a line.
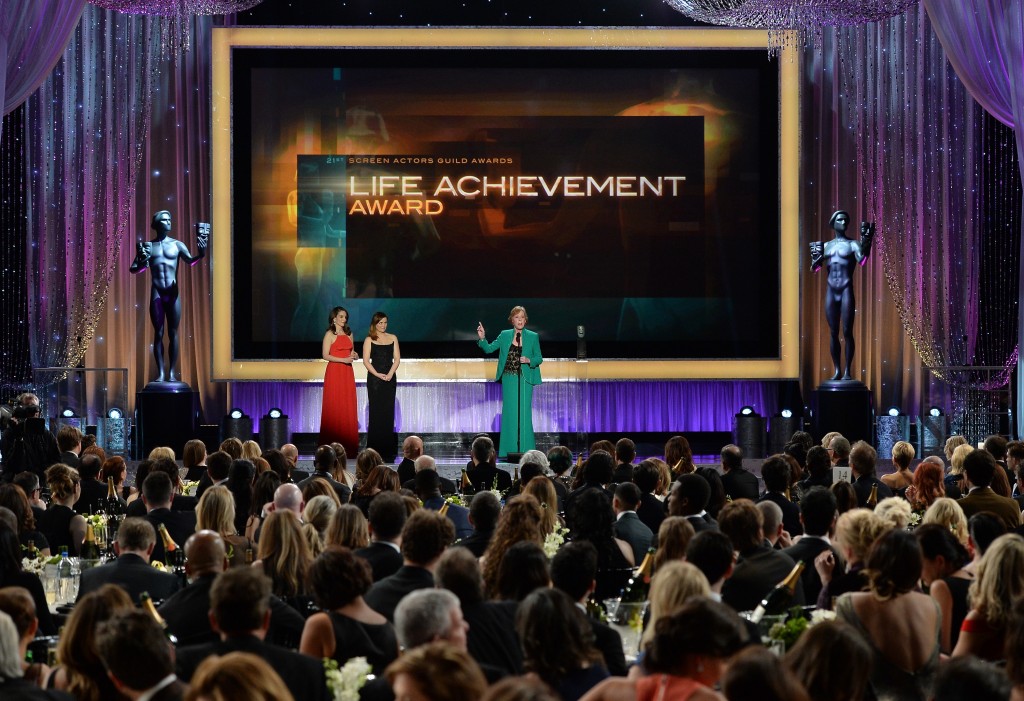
(455,500)
(189,487)
(346,681)
(553,540)
(790,631)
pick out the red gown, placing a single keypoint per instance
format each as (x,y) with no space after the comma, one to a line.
(338,418)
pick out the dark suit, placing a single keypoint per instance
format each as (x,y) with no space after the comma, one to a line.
(477,543)
(458,515)
(702,523)
(175,691)
(790,512)
(383,597)
(741,484)
(137,509)
(492,635)
(984,499)
(862,486)
(134,575)
(343,492)
(623,473)
(93,499)
(806,549)
(631,529)
(304,676)
(384,559)
(70,459)
(406,470)
(756,574)
(180,524)
(609,643)
(652,512)
(574,495)
(482,477)
(22,690)
(447,486)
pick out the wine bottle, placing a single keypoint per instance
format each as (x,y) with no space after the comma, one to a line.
(873,497)
(778,598)
(32,550)
(466,485)
(639,584)
(149,607)
(90,553)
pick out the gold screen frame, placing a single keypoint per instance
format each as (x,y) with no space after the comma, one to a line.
(226,368)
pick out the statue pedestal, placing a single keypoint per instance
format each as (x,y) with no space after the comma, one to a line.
(167,413)
(844,406)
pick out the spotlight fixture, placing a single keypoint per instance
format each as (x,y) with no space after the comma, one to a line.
(894,411)
(747,411)
(115,413)
(69,413)
(274,413)
(935,411)
(236,413)
(786,413)
(274,430)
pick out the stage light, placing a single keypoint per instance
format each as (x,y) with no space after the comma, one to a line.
(748,411)
(935,412)
(786,413)
(748,430)
(274,429)
(894,411)
(236,413)
(115,413)
(236,425)
(69,413)
(274,413)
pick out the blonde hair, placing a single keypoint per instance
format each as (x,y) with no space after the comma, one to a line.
(284,551)
(237,675)
(216,511)
(826,440)
(314,541)
(543,490)
(446,672)
(956,463)
(319,511)
(251,450)
(895,511)
(161,451)
(947,513)
(858,529)
(348,528)
(952,443)
(673,585)
(674,535)
(902,454)
(1000,579)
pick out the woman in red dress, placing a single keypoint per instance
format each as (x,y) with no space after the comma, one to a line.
(338,419)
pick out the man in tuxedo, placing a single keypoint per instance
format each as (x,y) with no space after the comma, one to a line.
(597,474)
(94,492)
(996,445)
(651,510)
(862,466)
(760,567)
(574,571)
(323,463)
(625,454)
(839,450)
(425,462)
(240,613)
(979,469)
(138,657)
(775,472)
(428,489)
(69,443)
(628,525)
(739,482)
(180,502)
(1014,461)
(218,465)
(689,497)
(157,493)
(774,532)
(387,518)
(484,510)
(818,516)
(485,473)
(412,448)
(712,553)
(424,538)
(131,570)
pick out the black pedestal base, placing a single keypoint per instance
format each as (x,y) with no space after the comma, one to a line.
(166,417)
(844,406)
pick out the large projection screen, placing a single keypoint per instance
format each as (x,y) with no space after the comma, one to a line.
(640,184)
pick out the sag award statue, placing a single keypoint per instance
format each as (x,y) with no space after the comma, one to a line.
(841,256)
(161,256)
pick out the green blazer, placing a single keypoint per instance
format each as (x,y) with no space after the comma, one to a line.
(531,349)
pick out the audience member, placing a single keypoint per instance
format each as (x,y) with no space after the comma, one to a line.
(739,482)
(774,533)
(674,536)
(428,490)
(59,523)
(131,571)
(678,456)
(436,672)
(671,587)
(523,568)
(689,497)
(387,519)
(138,657)
(927,486)
(323,468)
(856,532)
(979,469)
(625,454)
(263,491)
(350,529)
(380,479)
(998,585)
(862,467)
(628,526)
(755,673)
(237,675)
(93,492)
(901,478)
(216,512)
(412,448)
(519,521)
(594,523)
(157,491)
(943,561)
(484,474)
(971,678)
(832,660)
(718,498)
(895,511)
(818,518)
(14,498)
(846,497)
(597,474)
(776,472)
(947,513)
(69,443)
(839,450)
(651,510)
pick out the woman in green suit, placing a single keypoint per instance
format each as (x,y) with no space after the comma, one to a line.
(519,360)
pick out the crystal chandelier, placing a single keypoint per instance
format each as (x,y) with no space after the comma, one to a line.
(176,14)
(791,22)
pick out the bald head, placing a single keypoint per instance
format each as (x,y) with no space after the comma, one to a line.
(290,452)
(425,462)
(288,497)
(412,447)
(205,553)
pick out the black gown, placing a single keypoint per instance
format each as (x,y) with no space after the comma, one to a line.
(380,433)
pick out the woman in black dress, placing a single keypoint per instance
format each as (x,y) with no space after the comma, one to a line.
(381,358)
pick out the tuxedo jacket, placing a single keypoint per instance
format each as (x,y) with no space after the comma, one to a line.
(458,515)
(984,499)
(790,512)
(756,574)
(531,350)
(384,560)
(652,512)
(806,549)
(862,486)
(134,575)
(180,524)
(482,477)
(447,485)
(94,496)
(384,596)
(702,523)
(342,490)
(631,529)
(741,484)
(406,470)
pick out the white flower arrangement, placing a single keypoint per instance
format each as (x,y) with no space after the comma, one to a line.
(915,520)
(98,521)
(346,681)
(189,487)
(454,500)
(158,565)
(553,541)
(35,565)
(820,615)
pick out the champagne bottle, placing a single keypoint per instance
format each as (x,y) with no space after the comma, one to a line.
(115,511)
(873,497)
(466,485)
(639,584)
(90,554)
(146,602)
(173,557)
(778,598)
(444,509)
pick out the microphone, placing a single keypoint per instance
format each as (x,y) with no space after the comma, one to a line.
(517,337)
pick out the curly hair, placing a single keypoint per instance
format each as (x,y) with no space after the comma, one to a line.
(555,635)
(929,484)
(337,577)
(857,530)
(519,521)
(679,456)
(948,513)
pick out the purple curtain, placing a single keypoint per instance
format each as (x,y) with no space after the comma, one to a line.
(33,34)
(984,42)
